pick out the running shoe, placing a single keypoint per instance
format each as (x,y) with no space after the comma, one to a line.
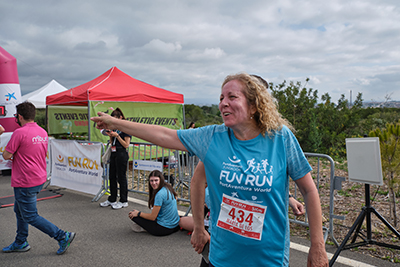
(17,248)
(107,203)
(137,228)
(64,244)
(119,205)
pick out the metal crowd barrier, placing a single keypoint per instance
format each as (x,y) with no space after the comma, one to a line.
(335,184)
(104,184)
(178,168)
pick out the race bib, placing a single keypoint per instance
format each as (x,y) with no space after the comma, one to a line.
(241,217)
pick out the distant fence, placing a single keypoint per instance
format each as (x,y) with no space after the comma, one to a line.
(178,168)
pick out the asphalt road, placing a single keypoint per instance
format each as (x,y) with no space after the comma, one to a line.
(104,237)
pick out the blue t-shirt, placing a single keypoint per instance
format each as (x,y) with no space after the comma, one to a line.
(248,183)
(168,215)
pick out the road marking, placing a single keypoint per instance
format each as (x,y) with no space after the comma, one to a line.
(138,201)
(340,259)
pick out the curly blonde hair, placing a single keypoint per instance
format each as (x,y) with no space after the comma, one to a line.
(267,117)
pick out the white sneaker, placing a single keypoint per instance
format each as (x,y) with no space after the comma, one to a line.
(136,227)
(107,203)
(119,205)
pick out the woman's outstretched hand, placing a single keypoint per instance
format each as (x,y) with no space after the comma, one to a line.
(104,121)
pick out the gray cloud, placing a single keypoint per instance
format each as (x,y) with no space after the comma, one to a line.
(189,47)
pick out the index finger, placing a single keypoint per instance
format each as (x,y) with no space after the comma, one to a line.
(100,114)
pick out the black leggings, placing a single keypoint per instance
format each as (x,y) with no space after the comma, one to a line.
(118,166)
(153,228)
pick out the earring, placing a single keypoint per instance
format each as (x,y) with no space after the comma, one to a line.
(251,118)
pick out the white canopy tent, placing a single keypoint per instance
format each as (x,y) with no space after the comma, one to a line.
(38,97)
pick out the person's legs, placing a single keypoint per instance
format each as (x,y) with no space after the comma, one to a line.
(26,212)
(113,178)
(22,226)
(122,164)
(186,222)
(153,228)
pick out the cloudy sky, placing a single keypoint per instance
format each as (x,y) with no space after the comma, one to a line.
(190,46)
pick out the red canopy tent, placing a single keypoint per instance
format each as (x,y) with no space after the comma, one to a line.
(114,85)
(114,88)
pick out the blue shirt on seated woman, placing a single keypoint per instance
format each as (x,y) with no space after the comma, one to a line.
(163,219)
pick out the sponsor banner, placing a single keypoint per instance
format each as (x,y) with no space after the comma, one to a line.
(10,96)
(167,115)
(48,158)
(67,119)
(76,166)
(146,165)
(4,164)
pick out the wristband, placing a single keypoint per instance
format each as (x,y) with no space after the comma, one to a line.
(139,213)
(290,195)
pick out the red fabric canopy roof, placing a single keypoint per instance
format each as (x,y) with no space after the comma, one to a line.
(114,85)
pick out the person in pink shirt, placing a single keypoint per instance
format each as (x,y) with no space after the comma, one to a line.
(27,149)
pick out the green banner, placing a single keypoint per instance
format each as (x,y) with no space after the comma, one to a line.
(67,119)
(167,115)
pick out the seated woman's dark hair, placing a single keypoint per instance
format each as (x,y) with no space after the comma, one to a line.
(153,192)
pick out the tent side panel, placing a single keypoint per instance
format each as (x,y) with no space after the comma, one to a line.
(67,119)
(167,115)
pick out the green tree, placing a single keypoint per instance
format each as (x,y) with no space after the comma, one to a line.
(193,113)
(389,139)
(314,140)
(378,119)
(212,115)
(337,122)
(40,118)
(296,103)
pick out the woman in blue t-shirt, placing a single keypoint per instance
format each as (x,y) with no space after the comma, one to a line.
(248,163)
(163,219)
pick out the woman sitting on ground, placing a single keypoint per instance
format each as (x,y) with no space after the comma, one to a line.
(163,219)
